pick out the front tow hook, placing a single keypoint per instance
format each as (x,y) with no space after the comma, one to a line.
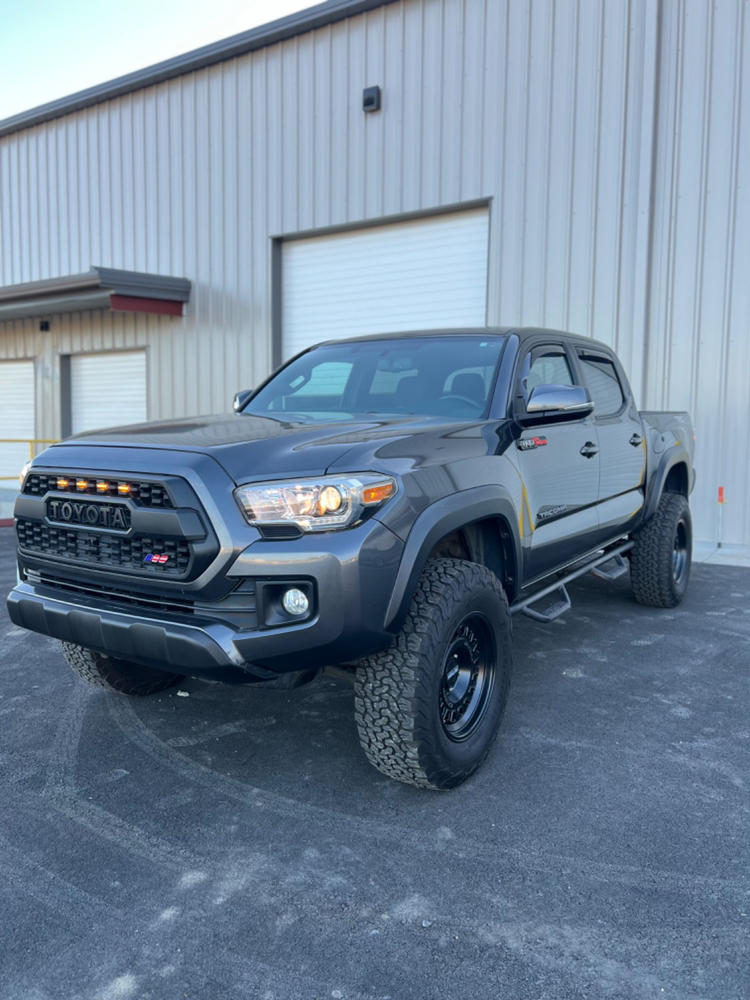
(589,450)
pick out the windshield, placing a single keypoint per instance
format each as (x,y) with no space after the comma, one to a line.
(446,376)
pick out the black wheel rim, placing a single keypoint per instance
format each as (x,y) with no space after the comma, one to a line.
(680,553)
(467,678)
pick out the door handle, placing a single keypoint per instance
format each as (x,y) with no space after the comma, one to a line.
(589,450)
(636,440)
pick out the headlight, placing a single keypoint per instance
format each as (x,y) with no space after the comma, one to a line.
(314,504)
(22,475)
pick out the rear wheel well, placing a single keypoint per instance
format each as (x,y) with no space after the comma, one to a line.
(677,480)
(488,542)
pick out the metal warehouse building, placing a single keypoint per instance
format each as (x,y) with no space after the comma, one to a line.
(168,237)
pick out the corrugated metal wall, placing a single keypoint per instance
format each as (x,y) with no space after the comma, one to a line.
(545,108)
(698,355)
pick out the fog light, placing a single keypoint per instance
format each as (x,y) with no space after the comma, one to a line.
(295,602)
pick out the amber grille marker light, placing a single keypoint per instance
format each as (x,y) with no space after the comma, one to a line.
(123,489)
(82,484)
(62,483)
(102,486)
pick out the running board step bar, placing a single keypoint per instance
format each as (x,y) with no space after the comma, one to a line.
(551,612)
(618,567)
(562,604)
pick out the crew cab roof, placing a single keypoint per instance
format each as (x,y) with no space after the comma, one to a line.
(524,333)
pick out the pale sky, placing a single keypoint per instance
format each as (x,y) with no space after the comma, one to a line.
(51,48)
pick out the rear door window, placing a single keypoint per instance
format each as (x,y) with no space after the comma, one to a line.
(602,382)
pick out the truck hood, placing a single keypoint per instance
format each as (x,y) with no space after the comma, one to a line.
(250,447)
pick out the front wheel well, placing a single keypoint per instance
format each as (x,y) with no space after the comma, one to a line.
(488,542)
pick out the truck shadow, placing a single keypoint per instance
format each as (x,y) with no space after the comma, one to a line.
(302,745)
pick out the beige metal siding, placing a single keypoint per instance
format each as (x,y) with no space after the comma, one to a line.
(545,109)
(699,320)
(193,176)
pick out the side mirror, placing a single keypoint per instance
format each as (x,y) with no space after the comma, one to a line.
(559,399)
(240,398)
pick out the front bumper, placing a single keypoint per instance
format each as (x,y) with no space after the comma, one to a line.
(352,573)
(169,645)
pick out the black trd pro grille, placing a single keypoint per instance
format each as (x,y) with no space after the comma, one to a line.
(143,494)
(115,522)
(104,550)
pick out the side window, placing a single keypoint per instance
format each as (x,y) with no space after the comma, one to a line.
(603,384)
(544,366)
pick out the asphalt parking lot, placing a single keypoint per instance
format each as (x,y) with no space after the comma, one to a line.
(235,843)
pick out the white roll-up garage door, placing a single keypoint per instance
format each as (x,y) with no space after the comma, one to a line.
(17,418)
(421,274)
(107,389)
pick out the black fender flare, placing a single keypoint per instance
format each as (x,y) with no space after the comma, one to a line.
(436,521)
(673,456)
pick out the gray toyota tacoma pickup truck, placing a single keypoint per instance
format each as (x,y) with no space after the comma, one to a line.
(381,503)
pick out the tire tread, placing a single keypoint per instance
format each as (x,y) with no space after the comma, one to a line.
(103,671)
(651,557)
(392,703)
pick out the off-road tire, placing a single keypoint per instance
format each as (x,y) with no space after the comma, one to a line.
(661,556)
(116,675)
(400,693)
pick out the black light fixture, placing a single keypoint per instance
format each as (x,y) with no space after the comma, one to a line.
(371,99)
(44,325)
